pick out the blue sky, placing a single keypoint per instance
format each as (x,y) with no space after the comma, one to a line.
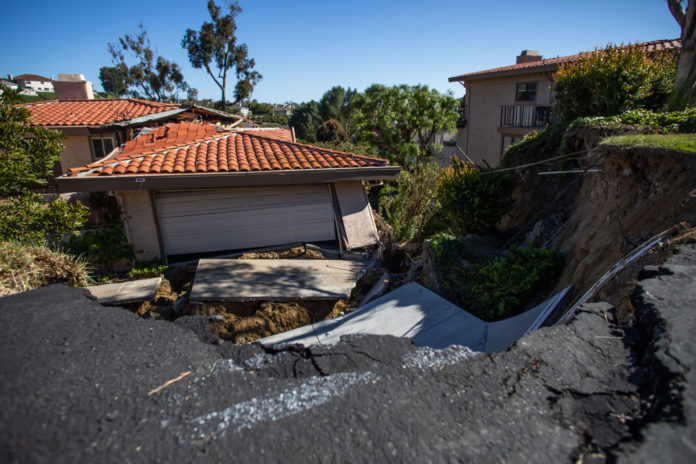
(303,48)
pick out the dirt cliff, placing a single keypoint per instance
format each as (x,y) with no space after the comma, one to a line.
(617,199)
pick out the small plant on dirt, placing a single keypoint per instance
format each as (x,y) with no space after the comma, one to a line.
(473,201)
(27,266)
(411,204)
(148,269)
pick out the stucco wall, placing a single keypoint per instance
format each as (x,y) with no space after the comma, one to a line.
(78,148)
(482,139)
(139,222)
(77,152)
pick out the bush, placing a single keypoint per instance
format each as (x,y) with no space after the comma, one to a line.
(29,219)
(410,205)
(498,288)
(106,244)
(24,267)
(473,201)
(672,122)
(331,131)
(615,79)
(501,288)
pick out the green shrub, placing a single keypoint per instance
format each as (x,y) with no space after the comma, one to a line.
(105,246)
(472,201)
(615,79)
(502,288)
(29,219)
(148,269)
(498,288)
(410,205)
(672,122)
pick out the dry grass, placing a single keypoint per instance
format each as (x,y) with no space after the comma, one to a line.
(24,267)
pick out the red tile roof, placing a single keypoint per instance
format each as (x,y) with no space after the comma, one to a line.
(31,77)
(200,148)
(552,63)
(277,133)
(92,112)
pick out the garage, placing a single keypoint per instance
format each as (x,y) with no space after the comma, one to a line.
(195,221)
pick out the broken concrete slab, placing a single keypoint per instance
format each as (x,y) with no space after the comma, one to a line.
(274,279)
(131,291)
(414,312)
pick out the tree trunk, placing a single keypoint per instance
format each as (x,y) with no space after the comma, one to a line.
(222,87)
(684,91)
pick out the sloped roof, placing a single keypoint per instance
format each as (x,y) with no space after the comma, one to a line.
(93,112)
(277,133)
(552,64)
(31,77)
(185,148)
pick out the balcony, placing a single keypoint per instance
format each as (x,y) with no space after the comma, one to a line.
(527,116)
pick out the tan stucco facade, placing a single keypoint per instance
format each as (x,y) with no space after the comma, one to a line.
(483,139)
(139,223)
(78,147)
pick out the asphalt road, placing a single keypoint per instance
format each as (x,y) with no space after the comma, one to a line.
(75,378)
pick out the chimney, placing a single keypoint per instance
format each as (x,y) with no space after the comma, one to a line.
(528,56)
(10,78)
(73,87)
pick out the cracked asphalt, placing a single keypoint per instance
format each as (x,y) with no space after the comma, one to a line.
(75,378)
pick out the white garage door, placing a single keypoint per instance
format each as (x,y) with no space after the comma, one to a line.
(196,221)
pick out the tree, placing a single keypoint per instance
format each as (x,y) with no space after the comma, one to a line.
(27,156)
(216,45)
(684,91)
(306,120)
(151,77)
(337,103)
(615,79)
(331,131)
(114,80)
(27,153)
(402,121)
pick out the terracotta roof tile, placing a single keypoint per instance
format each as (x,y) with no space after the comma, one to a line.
(201,148)
(533,66)
(92,112)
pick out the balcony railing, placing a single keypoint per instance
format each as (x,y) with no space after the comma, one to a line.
(525,115)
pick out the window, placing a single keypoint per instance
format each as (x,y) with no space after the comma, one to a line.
(526,92)
(101,146)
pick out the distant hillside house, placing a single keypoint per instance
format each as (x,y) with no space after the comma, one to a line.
(33,82)
(504,104)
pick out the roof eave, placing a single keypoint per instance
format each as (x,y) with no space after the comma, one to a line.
(220,180)
(506,73)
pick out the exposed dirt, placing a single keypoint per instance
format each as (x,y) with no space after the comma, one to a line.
(295,252)
(244,322)
(640,193)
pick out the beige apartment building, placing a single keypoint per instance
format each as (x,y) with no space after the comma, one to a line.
(503,104)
